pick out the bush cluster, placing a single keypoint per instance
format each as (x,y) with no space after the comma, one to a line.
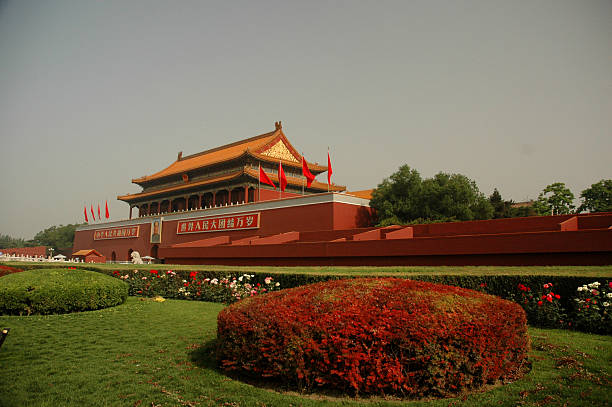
(375,336)
(58,291)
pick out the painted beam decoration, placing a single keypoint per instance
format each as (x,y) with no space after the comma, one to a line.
(117,233)
(219,223)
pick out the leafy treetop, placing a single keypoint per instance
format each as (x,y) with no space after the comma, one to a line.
(597,198)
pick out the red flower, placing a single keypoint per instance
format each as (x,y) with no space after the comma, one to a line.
(539,303)
(186,284)
(557,296)
(482,285)
(549,298)
(139,292)
(153,271)
(193,274)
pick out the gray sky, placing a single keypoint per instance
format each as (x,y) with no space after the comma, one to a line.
(513,94)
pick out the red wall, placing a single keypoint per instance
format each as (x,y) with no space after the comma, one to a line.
(306,218)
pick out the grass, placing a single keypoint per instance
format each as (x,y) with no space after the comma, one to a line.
(144,353)
(584,271)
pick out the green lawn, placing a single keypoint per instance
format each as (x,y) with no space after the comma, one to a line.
(584,271)
(145,353)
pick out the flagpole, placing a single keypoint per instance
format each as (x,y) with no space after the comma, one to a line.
(328,168)
(280,188)
(259,184)
(303,173)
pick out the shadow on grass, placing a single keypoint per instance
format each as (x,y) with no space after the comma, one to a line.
(205,356)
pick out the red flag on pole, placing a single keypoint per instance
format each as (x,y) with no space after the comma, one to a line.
(329,169)
(263,177)
(92,213)
(307,173)
(85,213)
(282,180)
(99,216)
(107,213)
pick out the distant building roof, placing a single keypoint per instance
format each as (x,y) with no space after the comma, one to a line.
(522,204)
(26,251)
(87,252)
(365,194)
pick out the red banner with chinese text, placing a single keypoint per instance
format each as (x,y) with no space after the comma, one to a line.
(219,223)
(117,233)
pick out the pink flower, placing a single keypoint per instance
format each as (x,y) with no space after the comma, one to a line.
(546,286)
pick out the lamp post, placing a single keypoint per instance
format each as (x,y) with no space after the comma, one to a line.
(51,252)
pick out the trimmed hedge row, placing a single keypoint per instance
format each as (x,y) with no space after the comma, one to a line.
(59,291)
(375,336)
(505,286)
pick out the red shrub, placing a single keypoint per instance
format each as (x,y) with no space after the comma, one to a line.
(386,336)
(4,270)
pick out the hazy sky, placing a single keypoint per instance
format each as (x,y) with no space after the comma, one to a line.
(513,94)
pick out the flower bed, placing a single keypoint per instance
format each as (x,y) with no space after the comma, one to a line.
(5,270)
(194,285)
(375,336)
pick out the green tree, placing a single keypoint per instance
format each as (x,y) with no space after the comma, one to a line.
(58,237)
(450,197)
(501,208)
(404,198)
(6,242)
(597,198)
(555,199)
(397,199)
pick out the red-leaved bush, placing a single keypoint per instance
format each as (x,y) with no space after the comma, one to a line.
(385,336)
(5,270)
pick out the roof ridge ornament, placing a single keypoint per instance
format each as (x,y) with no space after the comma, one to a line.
(180,155)
(278,125)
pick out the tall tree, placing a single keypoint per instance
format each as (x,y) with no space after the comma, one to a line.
(397,199)
(404,198)
(555,199)
(597,198)
(501,208)
(58,237)
(7,242)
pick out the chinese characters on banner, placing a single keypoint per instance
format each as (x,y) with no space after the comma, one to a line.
(117,233)
(219,223)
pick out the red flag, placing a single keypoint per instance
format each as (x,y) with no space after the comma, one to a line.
(307,173)
(92,213)
(263,177)
(329,169)
(107,213)
(85,213)
(282,180)
(99,217)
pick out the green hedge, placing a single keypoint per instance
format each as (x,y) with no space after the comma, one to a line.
(563,313)
(59,291)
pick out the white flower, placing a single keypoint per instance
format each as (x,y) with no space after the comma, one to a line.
(606,304)
(184,281)
(609,295)
(240,278)
(277,284)
(580,288)
(214,281)
(268,280)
